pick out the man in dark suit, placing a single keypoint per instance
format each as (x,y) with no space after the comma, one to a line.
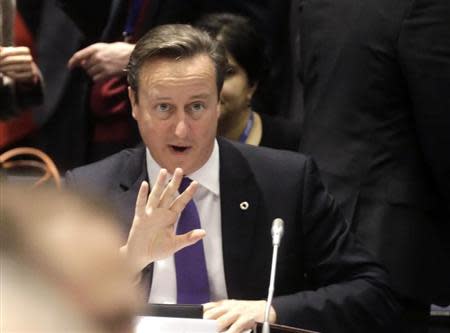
(325,279)
(377,79)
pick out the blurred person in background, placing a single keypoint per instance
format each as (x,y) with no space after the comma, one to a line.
(70,247)
(377,116)
(20,77)
(247,65)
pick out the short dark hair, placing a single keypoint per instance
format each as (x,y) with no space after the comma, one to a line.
(239,37)
(175,41)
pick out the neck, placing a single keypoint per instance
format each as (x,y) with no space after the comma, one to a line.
(232,125)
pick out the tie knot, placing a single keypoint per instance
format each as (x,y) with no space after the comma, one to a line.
(184,184)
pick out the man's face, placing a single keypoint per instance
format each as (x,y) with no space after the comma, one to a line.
(177,111)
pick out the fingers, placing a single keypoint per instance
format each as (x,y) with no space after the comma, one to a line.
(162,195)
(6,52)
(80,58)
(21,77)
(96,70)
(226,320)
(157,190)
(189,238)
(213,310)
(100,76)
(209,306)
(93,70)
(17,65)
(171,189)
(17,60)
(17,69)
(141,200)
(241,324)
(234,315)
(183,199)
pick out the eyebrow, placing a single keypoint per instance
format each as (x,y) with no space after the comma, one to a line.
(168,99)
(201,96)
(162,98)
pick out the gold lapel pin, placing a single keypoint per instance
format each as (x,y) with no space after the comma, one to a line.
(244,205)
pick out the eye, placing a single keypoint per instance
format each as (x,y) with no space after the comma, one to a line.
(163,107)
(230,71)
(197,107)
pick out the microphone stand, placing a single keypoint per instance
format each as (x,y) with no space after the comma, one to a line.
(277,233)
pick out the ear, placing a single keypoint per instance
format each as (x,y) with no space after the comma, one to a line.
(134,104)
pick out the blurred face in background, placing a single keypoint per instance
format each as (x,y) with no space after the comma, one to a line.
(237,92)
(72,246)
(94,274)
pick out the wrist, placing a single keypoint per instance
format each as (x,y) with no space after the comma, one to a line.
(136,271)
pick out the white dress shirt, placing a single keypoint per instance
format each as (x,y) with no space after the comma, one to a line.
(207,200)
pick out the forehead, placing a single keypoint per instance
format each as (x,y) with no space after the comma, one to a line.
(197,70)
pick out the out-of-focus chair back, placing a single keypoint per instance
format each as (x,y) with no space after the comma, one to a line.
(13,161)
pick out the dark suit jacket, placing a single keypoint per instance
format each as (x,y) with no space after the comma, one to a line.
(377,81)
(279,133)
(325,279)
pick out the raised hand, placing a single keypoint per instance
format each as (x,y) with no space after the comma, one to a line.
(152,235)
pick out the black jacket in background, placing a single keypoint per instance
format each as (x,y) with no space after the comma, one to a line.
(377,101)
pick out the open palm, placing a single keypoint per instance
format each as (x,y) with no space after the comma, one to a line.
(152,235)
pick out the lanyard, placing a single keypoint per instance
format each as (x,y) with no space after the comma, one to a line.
(244,135)
(133,15)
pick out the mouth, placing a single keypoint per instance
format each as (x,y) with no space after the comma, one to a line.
(179,149)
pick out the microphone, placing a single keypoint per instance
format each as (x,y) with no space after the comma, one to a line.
(277,233)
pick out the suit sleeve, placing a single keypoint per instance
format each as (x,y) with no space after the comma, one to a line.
(349,291)
(424,56)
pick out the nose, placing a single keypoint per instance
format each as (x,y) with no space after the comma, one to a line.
(181,127)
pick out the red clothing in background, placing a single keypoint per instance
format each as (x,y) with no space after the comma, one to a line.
(21,125)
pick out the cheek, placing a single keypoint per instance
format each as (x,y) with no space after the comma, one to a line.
(227,90)
(208,126)
(150,129)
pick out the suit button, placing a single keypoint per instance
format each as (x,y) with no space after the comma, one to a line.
(244,205)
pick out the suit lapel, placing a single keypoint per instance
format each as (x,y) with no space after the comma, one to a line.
(240,198)
(129,182)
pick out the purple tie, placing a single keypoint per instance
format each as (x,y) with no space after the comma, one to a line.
(190,264)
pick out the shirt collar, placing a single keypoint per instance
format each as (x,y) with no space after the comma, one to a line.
(207,176)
